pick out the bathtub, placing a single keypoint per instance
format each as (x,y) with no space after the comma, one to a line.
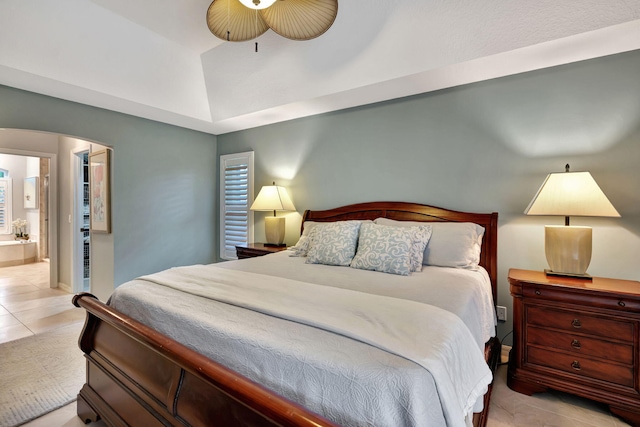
(15,252)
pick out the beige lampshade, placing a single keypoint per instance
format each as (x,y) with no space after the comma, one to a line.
(273,198)
(571,194)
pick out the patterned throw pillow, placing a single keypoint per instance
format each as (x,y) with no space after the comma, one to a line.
(386,249)
(333,243)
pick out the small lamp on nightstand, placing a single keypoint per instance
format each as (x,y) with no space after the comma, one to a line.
(273,198)
(568,248)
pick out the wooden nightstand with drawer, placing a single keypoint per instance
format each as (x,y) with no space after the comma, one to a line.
(257,249)
(580,336)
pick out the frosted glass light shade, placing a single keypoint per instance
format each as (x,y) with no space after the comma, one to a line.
(257,4)
(273,198)
(571,194)
(568,249)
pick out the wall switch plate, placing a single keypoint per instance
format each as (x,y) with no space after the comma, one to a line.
(501,312)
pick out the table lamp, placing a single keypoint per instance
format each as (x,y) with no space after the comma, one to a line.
(273,198)
(568,248)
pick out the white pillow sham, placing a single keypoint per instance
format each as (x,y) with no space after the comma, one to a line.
(452,244)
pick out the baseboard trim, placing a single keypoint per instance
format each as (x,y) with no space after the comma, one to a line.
(64,287)
(504,355)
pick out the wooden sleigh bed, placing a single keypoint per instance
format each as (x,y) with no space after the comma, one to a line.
(137,376)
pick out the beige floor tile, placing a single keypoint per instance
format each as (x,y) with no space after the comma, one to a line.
(3,311)
(14,332)
(16,289)
(64,318)
(8,320)
(11,279)
(34,314)
(31,300)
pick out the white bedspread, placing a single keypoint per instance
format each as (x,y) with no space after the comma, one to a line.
(466,293)
(345,380)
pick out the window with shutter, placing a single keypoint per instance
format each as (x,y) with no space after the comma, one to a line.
(5,206)
(236,196)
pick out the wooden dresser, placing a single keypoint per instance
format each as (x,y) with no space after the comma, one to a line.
(580,336)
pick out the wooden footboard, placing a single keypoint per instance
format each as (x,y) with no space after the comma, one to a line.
(137,376)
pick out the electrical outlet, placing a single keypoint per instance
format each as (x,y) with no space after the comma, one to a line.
(501,312)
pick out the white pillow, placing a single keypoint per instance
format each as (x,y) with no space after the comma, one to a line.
(383,248)
(333,243)
(308,226)
(452,244)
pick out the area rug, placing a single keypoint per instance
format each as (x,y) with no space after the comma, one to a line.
(39,374)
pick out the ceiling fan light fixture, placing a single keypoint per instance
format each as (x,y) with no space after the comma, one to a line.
(242,20)
(257,4)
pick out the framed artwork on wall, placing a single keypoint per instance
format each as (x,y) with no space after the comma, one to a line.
(31,193)
(100,191)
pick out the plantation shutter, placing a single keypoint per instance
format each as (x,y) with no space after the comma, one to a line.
(5,206)
(236,196)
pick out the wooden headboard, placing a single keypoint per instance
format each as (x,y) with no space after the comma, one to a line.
(402,211)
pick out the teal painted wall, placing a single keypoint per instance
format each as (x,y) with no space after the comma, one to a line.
(164,180)
(481,147)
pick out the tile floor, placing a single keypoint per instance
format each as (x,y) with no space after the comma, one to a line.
(28,306)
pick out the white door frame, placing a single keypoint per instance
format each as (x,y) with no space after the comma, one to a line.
(53,207)
(76,221)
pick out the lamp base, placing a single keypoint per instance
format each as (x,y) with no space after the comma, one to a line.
(274,230)
(568,249)
(558,273)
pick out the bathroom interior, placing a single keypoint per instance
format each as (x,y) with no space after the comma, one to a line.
(23,210)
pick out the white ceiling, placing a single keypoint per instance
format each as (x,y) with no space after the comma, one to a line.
(157,59)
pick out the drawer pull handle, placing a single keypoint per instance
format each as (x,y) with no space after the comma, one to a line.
(576,344)
(621,303)
(576,323)
(576,365)
(538,292)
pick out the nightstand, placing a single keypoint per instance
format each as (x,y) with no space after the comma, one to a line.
(580,336)
(257,249)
